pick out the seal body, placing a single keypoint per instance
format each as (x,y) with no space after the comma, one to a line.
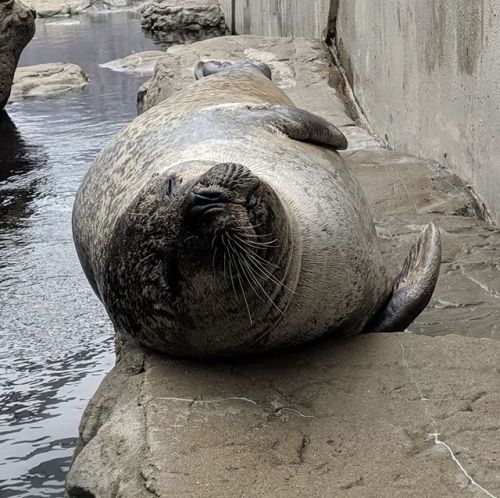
(206,230)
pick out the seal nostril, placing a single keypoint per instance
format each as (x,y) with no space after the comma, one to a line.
(207,197)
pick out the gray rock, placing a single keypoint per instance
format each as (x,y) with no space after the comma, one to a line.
(57,8)
(185,21)
(47,80)
(142,63)
(17,27)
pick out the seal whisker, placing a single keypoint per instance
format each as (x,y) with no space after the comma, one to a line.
(251,273)
(213,258)
(238,276)
(254,243)
(255,279)
(253,227)
(270,275)
(253,253)
(230,271)
(253,235)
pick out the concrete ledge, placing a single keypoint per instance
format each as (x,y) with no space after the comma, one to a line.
(336,418)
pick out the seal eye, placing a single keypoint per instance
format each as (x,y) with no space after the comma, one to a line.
(170,185)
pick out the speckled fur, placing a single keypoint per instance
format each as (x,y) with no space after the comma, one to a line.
(168,292)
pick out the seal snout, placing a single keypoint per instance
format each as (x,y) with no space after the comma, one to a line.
(224,188)
(207,202)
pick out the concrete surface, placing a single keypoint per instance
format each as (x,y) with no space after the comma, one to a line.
(297,18)
(426,74)
(47,80)
(373,416)
(17,27)
(399,415)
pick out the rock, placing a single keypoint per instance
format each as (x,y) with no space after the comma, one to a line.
(374,415)
(183,22)
(142,63)
(301,67)
(54,8)
(17,27)
(47,80)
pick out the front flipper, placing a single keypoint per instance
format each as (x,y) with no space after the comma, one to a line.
(414,286)
(299,125)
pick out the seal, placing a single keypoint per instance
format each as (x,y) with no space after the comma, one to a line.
(223,221)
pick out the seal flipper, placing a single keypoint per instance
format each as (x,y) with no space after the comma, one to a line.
(300,125)
(414,286)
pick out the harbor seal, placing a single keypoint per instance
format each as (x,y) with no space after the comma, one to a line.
(223,221)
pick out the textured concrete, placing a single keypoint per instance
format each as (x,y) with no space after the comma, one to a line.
(17,27)
(379,415)
(297,18)
(426,74)
(47,80)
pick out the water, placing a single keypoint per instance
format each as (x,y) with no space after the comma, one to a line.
(56,340)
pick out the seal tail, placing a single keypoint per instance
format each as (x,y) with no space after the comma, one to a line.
(414,285)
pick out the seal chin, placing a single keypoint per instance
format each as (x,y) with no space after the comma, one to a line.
(227,196)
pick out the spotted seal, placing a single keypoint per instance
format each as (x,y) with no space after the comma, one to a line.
(223,221)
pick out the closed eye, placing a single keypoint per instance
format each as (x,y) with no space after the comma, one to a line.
(170,185)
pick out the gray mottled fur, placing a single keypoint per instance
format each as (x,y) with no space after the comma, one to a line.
(130,240)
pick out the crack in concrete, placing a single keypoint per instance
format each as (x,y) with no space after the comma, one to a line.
(193,401)
(435,435)
(480,284)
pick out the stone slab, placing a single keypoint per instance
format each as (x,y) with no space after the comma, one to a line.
(374,416)
(47,80)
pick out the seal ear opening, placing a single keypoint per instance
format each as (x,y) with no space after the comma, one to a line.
(203,69)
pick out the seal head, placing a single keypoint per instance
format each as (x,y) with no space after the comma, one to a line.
(185,240)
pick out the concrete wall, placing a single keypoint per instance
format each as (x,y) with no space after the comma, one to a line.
(427,75)
(307,18)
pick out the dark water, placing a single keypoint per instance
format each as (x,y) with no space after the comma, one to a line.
(56,341)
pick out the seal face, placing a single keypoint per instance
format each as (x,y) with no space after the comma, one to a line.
(223,221)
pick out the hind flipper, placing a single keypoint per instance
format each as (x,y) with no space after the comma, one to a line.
(414,286)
